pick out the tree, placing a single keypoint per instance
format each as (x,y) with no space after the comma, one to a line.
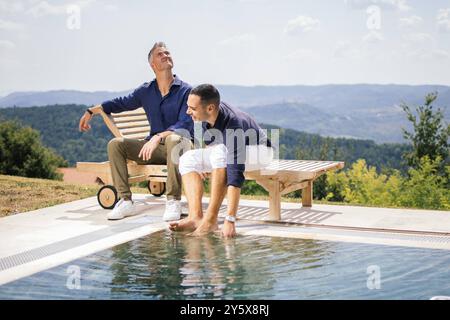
(22,153)
(361,184)
(425,188)
(430,137)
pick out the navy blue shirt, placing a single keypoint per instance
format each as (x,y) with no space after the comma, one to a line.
(228,121)
(166,113)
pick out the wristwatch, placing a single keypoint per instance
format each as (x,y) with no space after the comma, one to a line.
(230,218)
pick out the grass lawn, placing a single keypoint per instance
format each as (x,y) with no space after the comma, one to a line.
(19,194)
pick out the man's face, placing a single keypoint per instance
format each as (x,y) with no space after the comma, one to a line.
(195,108)
(161,59)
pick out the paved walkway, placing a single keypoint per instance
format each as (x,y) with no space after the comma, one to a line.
(41,239)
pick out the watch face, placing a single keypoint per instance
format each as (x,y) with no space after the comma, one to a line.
(230,218)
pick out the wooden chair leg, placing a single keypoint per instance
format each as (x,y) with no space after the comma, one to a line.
(307,195)
(275,201)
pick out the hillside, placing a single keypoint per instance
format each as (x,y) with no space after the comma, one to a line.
(58,126)
(360,111)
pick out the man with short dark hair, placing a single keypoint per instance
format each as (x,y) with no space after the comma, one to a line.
(164,101)
(236,143)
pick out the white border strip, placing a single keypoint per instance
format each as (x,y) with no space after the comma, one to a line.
(27,269)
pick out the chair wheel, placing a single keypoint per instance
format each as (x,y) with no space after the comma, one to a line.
(156,188)
(107,197)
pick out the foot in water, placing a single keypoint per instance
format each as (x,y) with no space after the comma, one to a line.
(186,224)
(205,228)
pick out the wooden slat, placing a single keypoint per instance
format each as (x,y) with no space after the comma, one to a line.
(138,111)
(134,124)
(293,165)
(281,165)
(308,166)
(136,136)
(303,166)
(307,195)
(135,130)
(325,167)
(130,119)
(294,187)
(275,201)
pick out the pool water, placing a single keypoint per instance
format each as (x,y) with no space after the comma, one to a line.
(175,266)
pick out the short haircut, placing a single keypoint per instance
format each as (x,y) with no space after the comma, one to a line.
(208,94)
(158,44)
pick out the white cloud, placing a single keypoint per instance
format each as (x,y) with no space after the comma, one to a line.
(6,44)
(418,38)
(373,37)
(8,6)
(425,54)
(111,7)
(441,54)
(401,5)
(44,8)
(301,24)
(238,40)
(422,46)
(10,25)
(301,54)
(410,21)
(443,20)
(345,49)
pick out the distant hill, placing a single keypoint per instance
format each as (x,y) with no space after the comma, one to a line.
(32,98)
(381,126)
(58,126)
(362,111)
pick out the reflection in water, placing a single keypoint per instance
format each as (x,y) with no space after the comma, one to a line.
(178,266)
(175,266)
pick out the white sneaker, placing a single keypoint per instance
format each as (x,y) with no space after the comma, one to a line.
(122,209)
(173,210)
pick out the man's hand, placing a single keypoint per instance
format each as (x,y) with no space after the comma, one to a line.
(228,229)
(84,122)
(149,147)
(204,175)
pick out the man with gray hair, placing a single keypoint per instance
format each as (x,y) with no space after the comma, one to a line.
(164,100)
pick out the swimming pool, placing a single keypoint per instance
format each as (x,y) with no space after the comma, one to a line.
(164,265)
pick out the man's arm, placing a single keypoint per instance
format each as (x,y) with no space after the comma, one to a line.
(235,176)
(87,116)
(126,103)
(184,122)
(233,195)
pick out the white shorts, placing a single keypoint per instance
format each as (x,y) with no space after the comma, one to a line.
(214,157)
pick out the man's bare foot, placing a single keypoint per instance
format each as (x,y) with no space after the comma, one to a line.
(204,228)
(186,224)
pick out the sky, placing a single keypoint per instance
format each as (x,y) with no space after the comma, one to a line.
(93,45)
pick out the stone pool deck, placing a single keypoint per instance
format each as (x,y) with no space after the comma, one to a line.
(38,240)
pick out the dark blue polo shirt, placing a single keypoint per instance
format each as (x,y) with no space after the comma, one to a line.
(166,113)
(228,121)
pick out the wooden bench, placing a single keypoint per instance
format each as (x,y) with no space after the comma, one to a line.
(279,178)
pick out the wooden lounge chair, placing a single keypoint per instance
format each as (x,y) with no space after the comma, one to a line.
(279,178)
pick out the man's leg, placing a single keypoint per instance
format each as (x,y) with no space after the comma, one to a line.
(119,150)
(168,152)
(192,163)
(175,145)
(193,189)
(218,190)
